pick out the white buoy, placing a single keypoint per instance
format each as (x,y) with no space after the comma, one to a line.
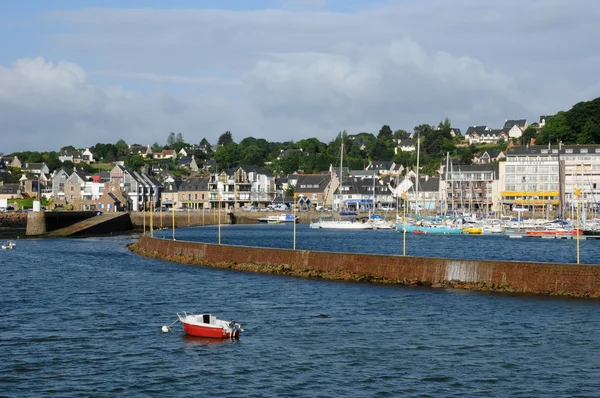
(165,329)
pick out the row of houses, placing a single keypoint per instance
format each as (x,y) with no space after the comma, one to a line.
(538,177)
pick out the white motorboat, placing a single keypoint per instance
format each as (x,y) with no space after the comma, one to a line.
(9,245)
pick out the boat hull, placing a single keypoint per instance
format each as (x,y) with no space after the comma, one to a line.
(208,331)
(553,233)
(591,232)
(429,230)
(344,225)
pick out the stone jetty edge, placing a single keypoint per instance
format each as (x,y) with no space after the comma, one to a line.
(547,279)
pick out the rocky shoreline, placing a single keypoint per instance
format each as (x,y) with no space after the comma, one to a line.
(343,275)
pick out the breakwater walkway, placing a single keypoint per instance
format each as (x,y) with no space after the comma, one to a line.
(501,276)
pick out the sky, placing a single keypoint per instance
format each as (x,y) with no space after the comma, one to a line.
(85,72)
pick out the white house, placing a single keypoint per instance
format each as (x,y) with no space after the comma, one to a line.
(406,145)
(515,127)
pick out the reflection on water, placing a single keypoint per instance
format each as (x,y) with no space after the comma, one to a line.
(193,341)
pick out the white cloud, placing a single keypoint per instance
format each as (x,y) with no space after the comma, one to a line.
(280,74)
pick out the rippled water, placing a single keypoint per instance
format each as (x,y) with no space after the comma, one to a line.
(83,317)
(478,247)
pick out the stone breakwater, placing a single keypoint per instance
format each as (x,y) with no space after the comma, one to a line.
(498,276)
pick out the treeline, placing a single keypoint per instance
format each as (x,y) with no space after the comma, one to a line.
(579,125)
(312,156)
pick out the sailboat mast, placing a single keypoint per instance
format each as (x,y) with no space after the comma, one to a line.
(417,177)
(341,175)
(446,190)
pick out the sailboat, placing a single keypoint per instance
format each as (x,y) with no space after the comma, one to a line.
(354,223)
(426,227)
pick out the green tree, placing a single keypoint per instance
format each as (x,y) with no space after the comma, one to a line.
(156,147)
(556,129)
(179,138)
(67,148)
(291,188)
(52,162)
(401,134)
(311,145)
(380,151)
(121,146)
(227,156)
(529,133)
(204,141)
(171,140)
(253,155)
(590,133)
(134,162)
(385,133)
(225,138)
(290,163)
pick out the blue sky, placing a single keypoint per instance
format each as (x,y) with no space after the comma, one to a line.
(78,73)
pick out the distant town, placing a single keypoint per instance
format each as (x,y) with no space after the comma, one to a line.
(545,166)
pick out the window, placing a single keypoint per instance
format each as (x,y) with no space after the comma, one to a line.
(583,150)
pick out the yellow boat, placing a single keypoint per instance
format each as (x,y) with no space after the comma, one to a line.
(473,230)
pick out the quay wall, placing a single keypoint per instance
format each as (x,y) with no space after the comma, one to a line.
(40,222)
(13,219)
(504,276)
(196,218)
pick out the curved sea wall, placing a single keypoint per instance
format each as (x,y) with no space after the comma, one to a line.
(504,276)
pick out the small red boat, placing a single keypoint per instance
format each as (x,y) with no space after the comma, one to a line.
(554,232)
(420,232)
(207,325)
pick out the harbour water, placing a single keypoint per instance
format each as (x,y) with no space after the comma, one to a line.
(83,317)
(477,247)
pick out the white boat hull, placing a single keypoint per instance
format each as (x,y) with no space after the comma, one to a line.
(353,225)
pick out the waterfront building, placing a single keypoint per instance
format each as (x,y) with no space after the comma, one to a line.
(314,189)
(193,193)
(363,194)
(169,195)
(76,189)
(468,189)
(32,185)
(245,185)
(426,196)
(543,178)
(142,189)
